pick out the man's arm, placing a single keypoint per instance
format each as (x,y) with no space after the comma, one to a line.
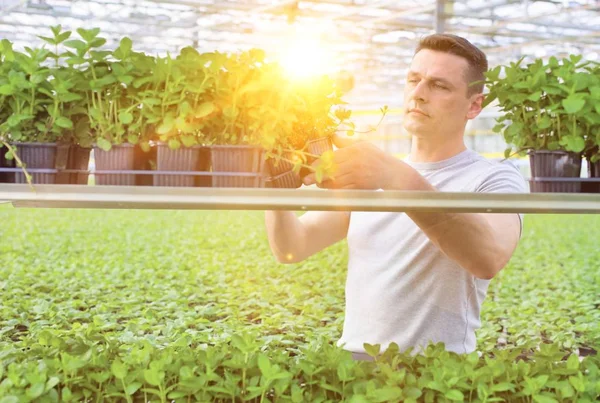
(293,239)
(480,243)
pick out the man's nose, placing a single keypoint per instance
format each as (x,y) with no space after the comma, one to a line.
(419,92)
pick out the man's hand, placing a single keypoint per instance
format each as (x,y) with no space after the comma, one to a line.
(359,165)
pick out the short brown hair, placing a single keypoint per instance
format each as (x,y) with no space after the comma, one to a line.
(459,46)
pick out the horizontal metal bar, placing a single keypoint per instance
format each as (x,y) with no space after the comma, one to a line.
(130,172)
(566,180)
(146,197)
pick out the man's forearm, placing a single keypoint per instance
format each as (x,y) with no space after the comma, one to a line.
(284,231)
(466,238)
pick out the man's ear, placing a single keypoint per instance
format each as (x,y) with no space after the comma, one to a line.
(475,106)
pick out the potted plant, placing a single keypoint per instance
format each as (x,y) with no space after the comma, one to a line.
(104,78)
(592,151)
(34,128)
(184,86)
(66,110)
(247,119)
(546,108)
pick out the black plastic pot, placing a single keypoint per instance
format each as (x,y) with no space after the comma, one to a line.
(555,164)
(320,145)
(182,159)
(593,172)
(286,180)
(237,159)
(281,165)
(6,177)
(118,158)
(41,156)
(78,158)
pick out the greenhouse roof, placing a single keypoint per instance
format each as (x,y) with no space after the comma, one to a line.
(372,39)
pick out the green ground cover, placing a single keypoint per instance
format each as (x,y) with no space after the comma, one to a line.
(191,306)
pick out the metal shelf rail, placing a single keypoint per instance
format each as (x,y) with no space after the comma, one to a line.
(147,197)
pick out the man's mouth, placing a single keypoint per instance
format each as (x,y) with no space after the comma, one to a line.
(417,111)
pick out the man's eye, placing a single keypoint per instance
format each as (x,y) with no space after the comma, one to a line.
(413,81)
(440,86)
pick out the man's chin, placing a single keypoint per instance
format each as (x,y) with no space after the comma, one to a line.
(417,130)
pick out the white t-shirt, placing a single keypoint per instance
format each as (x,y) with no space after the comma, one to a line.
(400,287)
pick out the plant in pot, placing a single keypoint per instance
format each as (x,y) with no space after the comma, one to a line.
(183,85)
(592,150)
(319,113)
(245,122)
(35,124)
(4,92)
(105,83)
(544,107)
(66,111)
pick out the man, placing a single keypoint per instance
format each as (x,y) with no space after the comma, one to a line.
(415,278)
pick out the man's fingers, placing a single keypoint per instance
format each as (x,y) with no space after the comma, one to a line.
(342,142)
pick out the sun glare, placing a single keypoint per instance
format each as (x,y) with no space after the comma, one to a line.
(305,58)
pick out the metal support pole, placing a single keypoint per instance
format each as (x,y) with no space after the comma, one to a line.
(439,16)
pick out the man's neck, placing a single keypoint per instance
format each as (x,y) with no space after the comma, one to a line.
(433,150)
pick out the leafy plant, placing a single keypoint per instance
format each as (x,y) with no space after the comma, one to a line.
(547,106)
(218,323)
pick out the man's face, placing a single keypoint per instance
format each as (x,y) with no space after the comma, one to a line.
(435,96)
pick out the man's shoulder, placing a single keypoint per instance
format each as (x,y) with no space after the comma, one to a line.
(495,173)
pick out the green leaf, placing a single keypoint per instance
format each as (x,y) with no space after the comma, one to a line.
(174,144)
(544,399)
(132,388)
(577,383)
(204,109)
(88,35)
(125,117)
(166,126)
(152,377)
(56,29)
(7,50)
(64,122)
(177,394)
(67,394)
(455,394)
(573,362)
(386,394)
(6,89)
(503,387)
(573,104)
(535,96)
(412,392)
(10,399)
(132,138)
(118,369)
(52,382)
(372,350)
(151,101)
(64,36)
(230,112)
(574,143)
(97,42)
(264,365)
(125,46)
(76,44)
(188,140)
(35,390)
(46,39)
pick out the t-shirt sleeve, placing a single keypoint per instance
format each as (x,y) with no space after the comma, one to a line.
(504,178)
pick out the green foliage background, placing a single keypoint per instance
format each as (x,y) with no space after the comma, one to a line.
(190,306)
